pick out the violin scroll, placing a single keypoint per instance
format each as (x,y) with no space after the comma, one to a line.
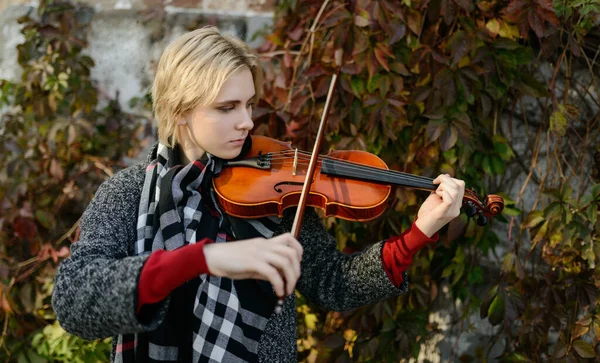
(493,205)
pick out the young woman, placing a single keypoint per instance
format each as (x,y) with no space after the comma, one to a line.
(171,277)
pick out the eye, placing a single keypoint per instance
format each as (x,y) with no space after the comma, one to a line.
(250,105)
(226,109)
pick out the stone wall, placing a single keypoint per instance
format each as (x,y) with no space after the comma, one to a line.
(128,36)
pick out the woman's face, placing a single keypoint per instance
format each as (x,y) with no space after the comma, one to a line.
(221,127)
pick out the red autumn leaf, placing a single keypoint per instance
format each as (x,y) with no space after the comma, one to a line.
(56,169)
(361,42)
(381,58)
(536,24)
(415,20)
(448,11)
(465,4)
(25,227)
(5,305)
(548,15)
(371,65)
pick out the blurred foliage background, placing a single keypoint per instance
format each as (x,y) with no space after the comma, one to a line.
(503,94)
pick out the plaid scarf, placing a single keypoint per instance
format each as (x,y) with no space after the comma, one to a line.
(209,319)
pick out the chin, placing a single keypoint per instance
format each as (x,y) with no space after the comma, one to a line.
(228,154)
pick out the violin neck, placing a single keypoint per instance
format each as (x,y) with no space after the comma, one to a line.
(346,169)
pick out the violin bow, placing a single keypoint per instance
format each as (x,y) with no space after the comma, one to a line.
(313,161)
(310,173)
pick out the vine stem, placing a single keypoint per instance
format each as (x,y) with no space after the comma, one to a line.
(299,54)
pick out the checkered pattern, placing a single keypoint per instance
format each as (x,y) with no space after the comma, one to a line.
(172,213)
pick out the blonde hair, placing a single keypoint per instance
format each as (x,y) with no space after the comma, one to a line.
(191,72)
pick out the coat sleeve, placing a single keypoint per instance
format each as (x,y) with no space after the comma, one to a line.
(95,288)
(338,281)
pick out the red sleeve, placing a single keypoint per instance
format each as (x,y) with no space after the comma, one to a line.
(398,251)
(164,271)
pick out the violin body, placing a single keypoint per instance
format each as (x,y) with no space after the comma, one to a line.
(250,192)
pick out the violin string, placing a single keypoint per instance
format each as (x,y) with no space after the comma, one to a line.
(347,166)
(303,155)
(367,171)
(361,171)
(352,164)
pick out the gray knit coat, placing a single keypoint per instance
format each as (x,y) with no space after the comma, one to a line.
(95,291)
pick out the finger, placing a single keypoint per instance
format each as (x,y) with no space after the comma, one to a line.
(440,178)
(289,240)
(285,268)
(448,187)
(292,257)
(453,209)
(270,273)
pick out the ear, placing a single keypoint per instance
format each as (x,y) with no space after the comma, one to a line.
(182,121)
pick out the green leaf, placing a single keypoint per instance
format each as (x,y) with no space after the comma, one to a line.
(358,86)
(46,219)
(558,123)
(475,276)
(485,304)
(496,310)
(553,210)
(596,191)
(584,349)
(498,165)
(533,219)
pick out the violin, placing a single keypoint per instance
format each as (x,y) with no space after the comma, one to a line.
(349,184)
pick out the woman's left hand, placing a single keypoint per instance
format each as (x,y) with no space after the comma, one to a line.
(441,206)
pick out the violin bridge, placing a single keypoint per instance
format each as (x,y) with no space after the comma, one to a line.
(295,161)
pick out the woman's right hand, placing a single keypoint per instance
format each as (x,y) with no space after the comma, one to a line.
(276,260)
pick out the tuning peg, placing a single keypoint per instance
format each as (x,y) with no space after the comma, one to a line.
(482,220)
(470,209)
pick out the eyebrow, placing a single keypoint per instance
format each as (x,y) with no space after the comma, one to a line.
(235,101)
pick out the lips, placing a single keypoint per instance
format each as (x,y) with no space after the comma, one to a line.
(237,142)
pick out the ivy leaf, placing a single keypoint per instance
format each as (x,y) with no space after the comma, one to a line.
(485,304)
(496,310)
(358,86)
(459,45)
(536,23)
(558,123)
(311,321)
(583,349)
(371,62)
(493,26)
(465,4)
(24,227)
(361,19)
(415,20)
(533,219)
(448,138)
(475,276)
(46,219)
(398,31)
(579,330)
(361,42)
(448,11)
(597,331)
(381,58)
(434,130)
(560,349)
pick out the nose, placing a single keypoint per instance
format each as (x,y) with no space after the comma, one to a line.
(246,122)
